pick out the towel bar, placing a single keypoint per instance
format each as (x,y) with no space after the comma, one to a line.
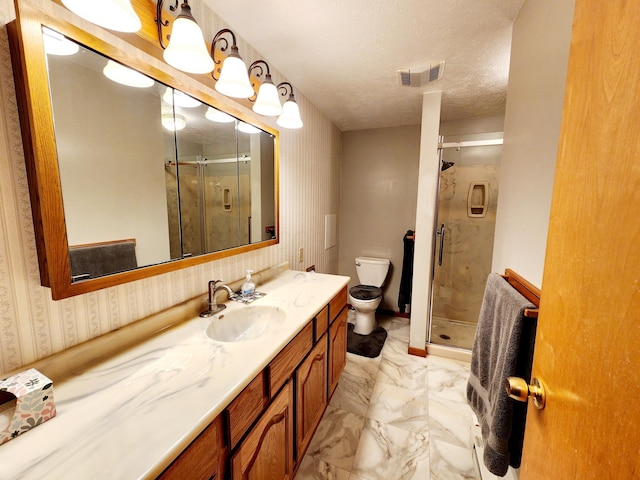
(527,289)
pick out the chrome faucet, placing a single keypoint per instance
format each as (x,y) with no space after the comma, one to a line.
(214,286)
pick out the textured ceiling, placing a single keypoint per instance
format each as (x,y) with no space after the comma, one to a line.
(343,55)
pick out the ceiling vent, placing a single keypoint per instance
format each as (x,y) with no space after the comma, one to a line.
(421,77)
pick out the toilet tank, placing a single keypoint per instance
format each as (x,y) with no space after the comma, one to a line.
(372,271)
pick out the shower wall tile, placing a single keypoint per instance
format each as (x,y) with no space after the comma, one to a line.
(32,326)
(468,248)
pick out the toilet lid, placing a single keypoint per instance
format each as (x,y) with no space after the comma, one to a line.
(365,292)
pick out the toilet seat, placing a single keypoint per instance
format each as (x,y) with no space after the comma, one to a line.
(365,292)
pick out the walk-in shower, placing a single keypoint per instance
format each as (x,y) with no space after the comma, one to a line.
(215,204)
(467,199)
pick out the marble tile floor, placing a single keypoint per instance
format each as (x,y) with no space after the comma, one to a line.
(396,416)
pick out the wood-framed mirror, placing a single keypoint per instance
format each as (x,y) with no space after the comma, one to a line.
(127,182)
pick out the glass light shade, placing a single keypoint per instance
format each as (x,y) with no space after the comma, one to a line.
(173,123)
(181,99)
(246,128)
(234,79)
(57,44)
(290,117)
(268,99)
(126,76)
(218,116)
(115,15)
(186,50)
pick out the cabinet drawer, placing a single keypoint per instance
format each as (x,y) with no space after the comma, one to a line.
(246,408)
(337,303)
(281,368)
(321,323)
(201,459)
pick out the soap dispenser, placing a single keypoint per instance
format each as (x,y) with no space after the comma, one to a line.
(248,287)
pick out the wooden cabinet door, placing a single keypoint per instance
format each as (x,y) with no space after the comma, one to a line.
(311,395)
(337,349)
(203,459)
(267,451)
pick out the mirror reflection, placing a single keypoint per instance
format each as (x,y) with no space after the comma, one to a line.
(148,173)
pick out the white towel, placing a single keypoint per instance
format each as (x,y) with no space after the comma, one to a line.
(503,347)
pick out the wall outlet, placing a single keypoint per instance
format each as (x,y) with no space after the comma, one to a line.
(301,255)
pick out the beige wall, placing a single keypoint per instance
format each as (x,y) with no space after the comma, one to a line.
(465,126)
(378,195)
(539,56)
(32,326)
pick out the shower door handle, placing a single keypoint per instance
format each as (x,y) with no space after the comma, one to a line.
(441,233)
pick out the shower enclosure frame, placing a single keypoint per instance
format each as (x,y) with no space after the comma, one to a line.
(439,234)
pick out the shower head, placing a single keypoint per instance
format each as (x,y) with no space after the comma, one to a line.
(446,165)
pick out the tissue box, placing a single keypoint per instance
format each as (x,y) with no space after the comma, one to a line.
(26,401)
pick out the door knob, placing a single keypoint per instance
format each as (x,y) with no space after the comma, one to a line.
(518,389)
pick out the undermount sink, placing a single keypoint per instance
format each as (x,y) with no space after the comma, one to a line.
(245,323)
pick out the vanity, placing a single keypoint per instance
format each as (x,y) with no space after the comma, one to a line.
(174,395)
(183,405)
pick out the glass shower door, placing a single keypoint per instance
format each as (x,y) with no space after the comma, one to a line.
(467,200)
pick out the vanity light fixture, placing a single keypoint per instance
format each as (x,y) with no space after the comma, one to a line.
(218,116)
(290,117)
(247,128)
(267,100)
(173,122)
(230,74)
(171,96)
(126,76)
(57,44)
(115,15)
(187,50)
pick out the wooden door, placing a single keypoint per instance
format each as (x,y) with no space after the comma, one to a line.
(588,339)
(311,395)
(267,450)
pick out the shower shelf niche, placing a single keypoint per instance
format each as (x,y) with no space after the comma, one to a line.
(478,199)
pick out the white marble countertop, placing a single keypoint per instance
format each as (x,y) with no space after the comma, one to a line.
(129,416)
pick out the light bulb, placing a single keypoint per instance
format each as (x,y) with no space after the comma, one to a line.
(126,76)
(186,50)
(218,116)
(290,117)
(115,15)
(268,99)
(234,79)
(247,128)
(171,96)
(57,44)
(173,123)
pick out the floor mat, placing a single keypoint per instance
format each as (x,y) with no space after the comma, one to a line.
(366,345)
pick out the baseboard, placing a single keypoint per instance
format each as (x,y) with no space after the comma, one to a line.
(418,352)
(393,313)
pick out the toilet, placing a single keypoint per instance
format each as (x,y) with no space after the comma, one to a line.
(366,297)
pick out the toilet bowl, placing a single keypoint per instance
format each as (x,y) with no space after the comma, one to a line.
(366,297)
